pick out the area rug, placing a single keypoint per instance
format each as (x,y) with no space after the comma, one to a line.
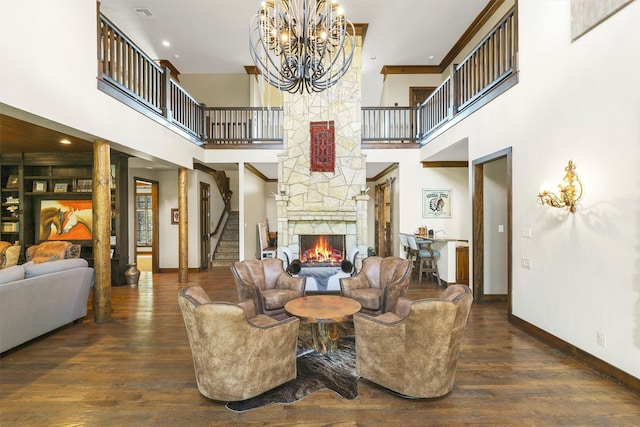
(334,371)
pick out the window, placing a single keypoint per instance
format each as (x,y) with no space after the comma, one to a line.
(144,217)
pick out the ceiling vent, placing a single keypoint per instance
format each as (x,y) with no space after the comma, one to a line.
(143,13)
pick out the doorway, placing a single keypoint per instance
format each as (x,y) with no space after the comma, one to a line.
(205,225)
(383,223)
(492,231)
(146,225)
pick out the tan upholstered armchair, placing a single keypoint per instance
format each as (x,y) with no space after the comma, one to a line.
(52,250)
(9,254)
(267,284)
(379,284)
(414,350)
(236,355)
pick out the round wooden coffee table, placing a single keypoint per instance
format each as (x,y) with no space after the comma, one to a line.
(323,312)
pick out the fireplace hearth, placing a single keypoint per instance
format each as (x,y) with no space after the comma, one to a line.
(321,250)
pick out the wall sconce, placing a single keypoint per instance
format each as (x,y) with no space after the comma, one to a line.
(282,189)
(570,194)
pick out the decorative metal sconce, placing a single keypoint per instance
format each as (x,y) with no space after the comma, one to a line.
(570,194)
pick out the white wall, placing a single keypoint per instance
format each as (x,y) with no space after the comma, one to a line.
(585,266)
(254,210)
(396,87)
(218,90)
(49,65)
(234,186)
(412,177)
(272,208)
(168,199)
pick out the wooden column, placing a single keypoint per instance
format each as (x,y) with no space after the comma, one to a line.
(183,227)
(101,231)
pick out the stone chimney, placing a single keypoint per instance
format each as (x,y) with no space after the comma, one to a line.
(324,202)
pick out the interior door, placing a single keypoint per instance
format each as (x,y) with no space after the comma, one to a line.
(417,95)
(205,225)
(383,219)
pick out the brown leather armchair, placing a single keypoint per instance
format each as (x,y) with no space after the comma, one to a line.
(236,355)
(267,284)
(378,284)
(414,350)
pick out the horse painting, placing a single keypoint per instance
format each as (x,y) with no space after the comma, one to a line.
(50,219)
(79,216)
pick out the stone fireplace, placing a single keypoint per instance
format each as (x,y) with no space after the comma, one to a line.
(324,203)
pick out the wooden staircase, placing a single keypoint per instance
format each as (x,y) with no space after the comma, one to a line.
(228,250)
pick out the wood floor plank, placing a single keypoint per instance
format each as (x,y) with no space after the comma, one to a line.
(137,370)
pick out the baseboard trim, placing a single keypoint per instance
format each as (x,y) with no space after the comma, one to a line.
(491,298)
(176,270)
(601,367)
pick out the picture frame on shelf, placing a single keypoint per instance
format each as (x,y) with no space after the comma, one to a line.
(13,182)
(175,216)
(60,187)
(39,186)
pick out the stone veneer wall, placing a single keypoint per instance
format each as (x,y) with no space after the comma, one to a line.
(322,202)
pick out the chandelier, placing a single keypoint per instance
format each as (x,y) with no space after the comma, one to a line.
(301,45)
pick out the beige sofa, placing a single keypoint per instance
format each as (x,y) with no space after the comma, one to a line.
(38,298)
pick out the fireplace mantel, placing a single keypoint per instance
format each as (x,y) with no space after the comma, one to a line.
(345,214)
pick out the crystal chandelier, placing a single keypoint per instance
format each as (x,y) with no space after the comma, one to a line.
(301,45)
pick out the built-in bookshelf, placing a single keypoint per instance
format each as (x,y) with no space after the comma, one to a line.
(32,183)
(11,197)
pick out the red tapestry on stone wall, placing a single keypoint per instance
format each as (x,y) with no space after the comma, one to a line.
(323,147)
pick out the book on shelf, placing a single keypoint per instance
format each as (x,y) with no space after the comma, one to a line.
(10,227)
(83,185)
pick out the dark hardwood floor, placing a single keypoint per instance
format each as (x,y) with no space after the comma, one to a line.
(137,370)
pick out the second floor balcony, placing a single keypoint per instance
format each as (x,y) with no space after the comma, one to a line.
(130,75)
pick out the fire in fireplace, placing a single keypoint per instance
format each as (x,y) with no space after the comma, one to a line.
(319,250)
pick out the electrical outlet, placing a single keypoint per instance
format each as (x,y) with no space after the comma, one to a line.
(601,339)
(525,263)
(526,232)
(500,228)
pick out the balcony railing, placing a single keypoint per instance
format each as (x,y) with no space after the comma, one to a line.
(389,124)
(130,75)
(485,68)
(243,125)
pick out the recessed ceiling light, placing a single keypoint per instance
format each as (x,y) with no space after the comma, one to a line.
(373,57)
(431,56)
(65,141)
(166,43)
(176,56)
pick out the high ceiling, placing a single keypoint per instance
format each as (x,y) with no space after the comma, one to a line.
(212,36)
